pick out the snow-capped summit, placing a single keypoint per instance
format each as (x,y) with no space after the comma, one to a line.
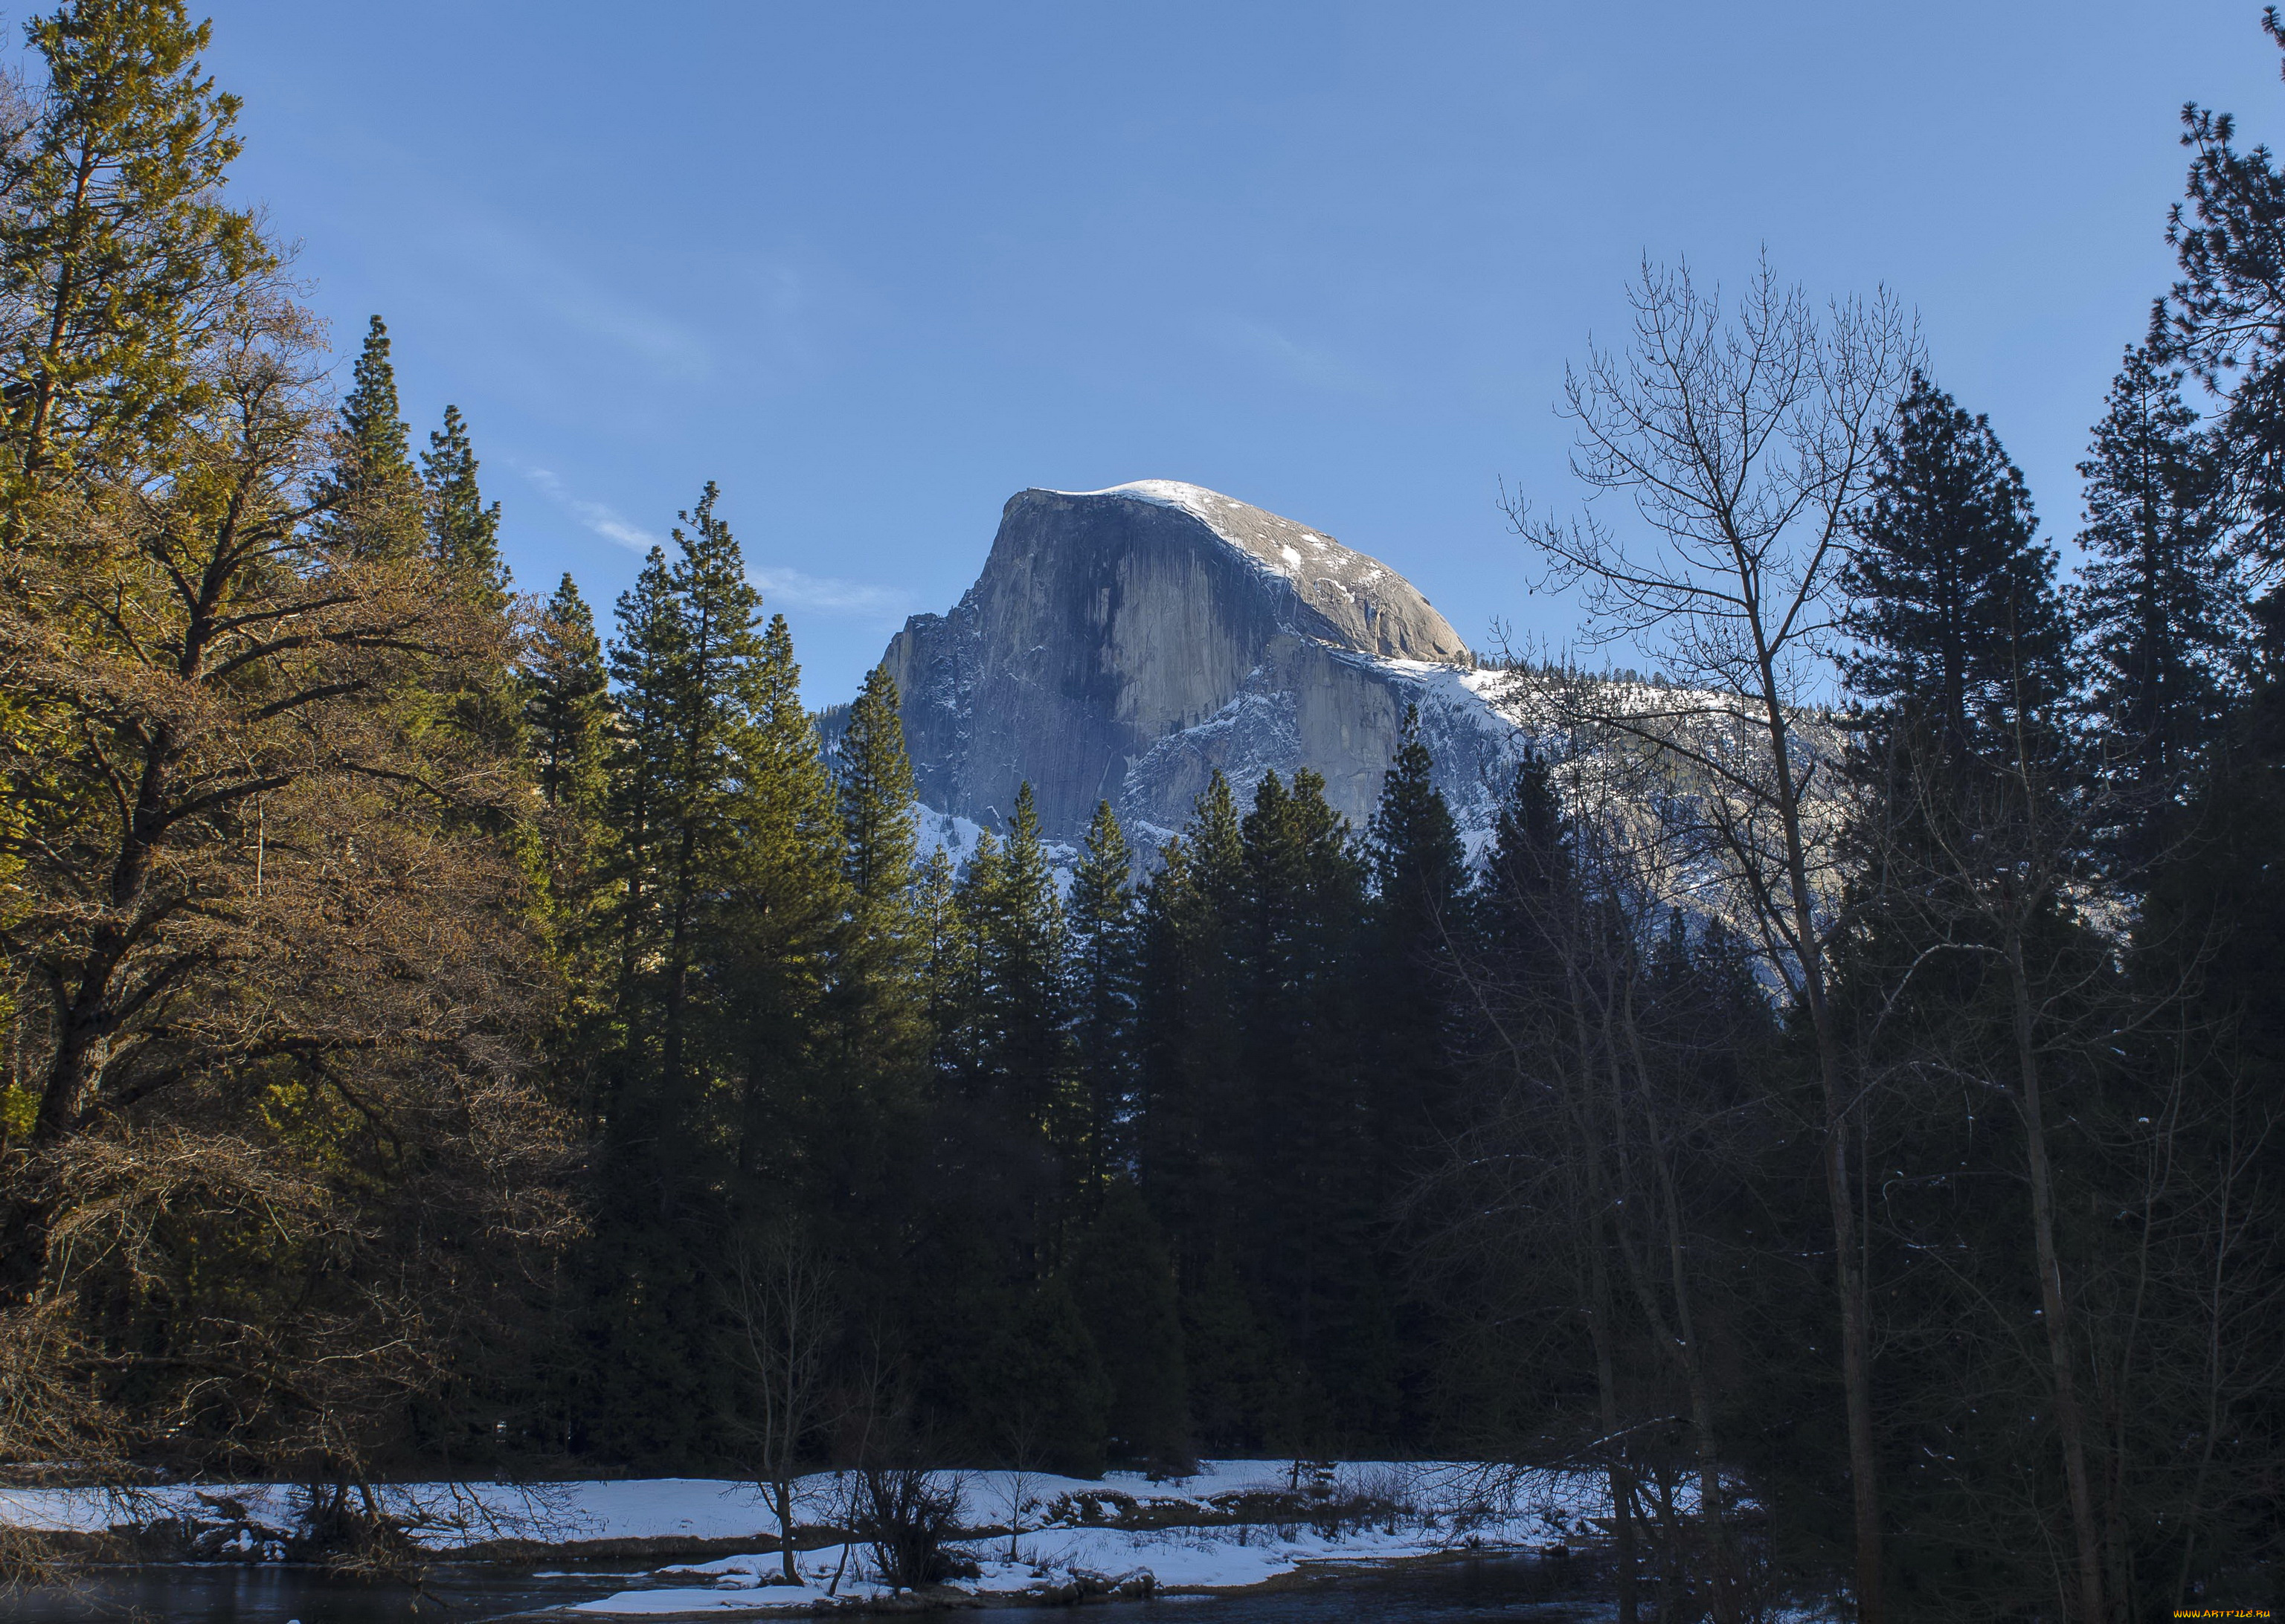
(1122,645)
(1371,606)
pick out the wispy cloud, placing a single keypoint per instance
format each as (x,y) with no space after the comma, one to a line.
(828,594)
(1306,364)
(784,589)
(601,518)
(543,278)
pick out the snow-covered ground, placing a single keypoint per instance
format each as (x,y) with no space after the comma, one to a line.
(1137,1562)
(1235,1523)
(1059,1547)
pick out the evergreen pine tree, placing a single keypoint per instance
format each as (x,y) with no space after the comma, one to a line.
(2158,609)
(1217,845)
(780,916)
(876,792)
(1022,944)
(1419,871)
(724,689)
(702,693)
(1527,874)
(566,702)
(1187,1119)
(1418,863)
(1314,1205)
(1954,608)
(1238,1402)
(1175,997)
(878,1016)
(463,532)
(1967,954)
(1410,1001)
(1103,958)
(966,1039)
(379,445)
(645,664)
(2225,318)
(642,1282)
(373,501)
(1124,1284)
(882,972)
(944,955)
(1046,1394)
(118,260)
(568,715)
(463,538)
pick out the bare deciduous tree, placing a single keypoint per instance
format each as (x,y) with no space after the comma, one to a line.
(782,1300)
(2143,1334)
(1743,440)
(1604,1146)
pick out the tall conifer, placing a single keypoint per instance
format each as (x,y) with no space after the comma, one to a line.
(1527,871)
(463,530)
(116,248)
(876,792)
(1022,1048)
(566,702)
(2158,607)
(966,1040)
(1971,838)
(1419,870)
(1186,1029)
(715,802)
(781,912)
(1311,1201)
(1103,963)
(1191,1118)
(372,498)
(944,957)
(568,715)
(2225,318)
(646,667)
(878,1019)
(1124,1284)
(1955,609)
(1217,846)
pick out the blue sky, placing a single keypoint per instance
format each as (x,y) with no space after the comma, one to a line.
(876,267)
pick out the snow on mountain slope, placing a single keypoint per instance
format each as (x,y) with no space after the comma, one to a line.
(1376,609)
(1124,645)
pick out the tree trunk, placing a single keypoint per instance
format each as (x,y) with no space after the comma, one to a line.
(1848,1272)
(1606,1391)
(24,1224)
(2054,1306)
(1710,1505)
(1684,1337)
(1856,1357)
(781,1490)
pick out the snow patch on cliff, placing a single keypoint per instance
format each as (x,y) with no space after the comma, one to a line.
(947,832)
(1274,545)
(935,830)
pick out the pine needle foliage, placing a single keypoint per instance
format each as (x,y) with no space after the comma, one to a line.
(371,497)
(463,530)
(122,270)
(1955,609)
(2158,607)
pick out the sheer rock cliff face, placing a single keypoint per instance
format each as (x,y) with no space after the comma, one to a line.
(1121,645)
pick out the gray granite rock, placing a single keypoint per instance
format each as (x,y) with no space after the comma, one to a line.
(1121,645)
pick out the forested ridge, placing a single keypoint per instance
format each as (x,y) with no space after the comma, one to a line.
(448,1034)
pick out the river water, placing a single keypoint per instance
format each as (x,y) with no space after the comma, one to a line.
(1514,1590)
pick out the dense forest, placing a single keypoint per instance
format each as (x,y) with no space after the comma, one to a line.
(446,1035)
